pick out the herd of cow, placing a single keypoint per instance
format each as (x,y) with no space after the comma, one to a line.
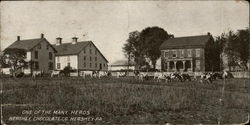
(207,77)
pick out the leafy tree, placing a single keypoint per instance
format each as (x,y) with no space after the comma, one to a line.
(235,46)
(14,58)
(151,39)
(134,50)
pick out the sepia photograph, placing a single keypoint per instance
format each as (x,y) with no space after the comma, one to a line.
(125,62)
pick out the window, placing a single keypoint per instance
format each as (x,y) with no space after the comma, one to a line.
(181,53)
(50,55)
(104,65)
(68,64)
(36,55)
(84,51)
(90,58)
(50,66)
(39,46)
(90,51)
(84,58)
(36,65)
(189,53)
(84,64)
(58,66)
(68,58)
(174,54)
(95,65)
(47,47)
(90,65)
(58,59)
(96,52)
(197,64)
(90,45)
(166,54)
(197,52)
(95,58)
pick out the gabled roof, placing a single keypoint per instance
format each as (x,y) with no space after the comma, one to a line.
(73,49)
(69,48)
(185,42)
(28,44)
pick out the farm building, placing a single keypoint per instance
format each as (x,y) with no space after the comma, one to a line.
(79,56)
(39,54)
(188,54)
(121,65)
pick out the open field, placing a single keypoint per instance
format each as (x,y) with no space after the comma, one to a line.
(126,100)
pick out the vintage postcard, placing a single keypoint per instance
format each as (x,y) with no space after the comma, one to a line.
(124,62)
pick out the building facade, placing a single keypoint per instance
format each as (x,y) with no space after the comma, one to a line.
(79,56)
(39,54)
(187,54)
(121,65)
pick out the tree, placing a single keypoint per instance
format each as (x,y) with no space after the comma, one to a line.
(235,46)
(133,49)
(151,39)
(14,58)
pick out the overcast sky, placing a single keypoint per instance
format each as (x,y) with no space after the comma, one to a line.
(108,23)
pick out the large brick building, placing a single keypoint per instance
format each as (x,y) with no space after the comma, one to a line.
(80,56)
(39,53)
(187,54)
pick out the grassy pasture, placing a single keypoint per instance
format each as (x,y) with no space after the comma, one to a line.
(126,100)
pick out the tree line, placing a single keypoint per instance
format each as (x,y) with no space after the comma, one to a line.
(143,47)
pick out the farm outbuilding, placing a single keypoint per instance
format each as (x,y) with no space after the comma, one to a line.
(80,56)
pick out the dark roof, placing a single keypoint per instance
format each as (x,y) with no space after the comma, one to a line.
(69,48)
(185,42)
(73,49)
(27,44)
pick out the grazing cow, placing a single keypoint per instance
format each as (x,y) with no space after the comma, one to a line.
(185,77)
(54,73)
(217,75)
(175,76)
(143,75)
(121,74)
(206,77)
(227,75)
(36,73)
(101,74)
(87,73)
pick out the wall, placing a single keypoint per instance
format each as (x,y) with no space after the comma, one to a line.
(93,55)
(64,60)
(43,56)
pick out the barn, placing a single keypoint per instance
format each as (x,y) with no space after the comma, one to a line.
(79,55)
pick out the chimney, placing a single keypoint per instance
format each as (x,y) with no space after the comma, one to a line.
(74,40)
(42,35)
(58,41)
(18,38)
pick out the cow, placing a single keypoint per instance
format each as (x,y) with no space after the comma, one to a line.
(206,77)
(185,77)
(121,74)
(101,74)
(87,73)
(227,75)
(175,76)
(143,75)
(37,73)
(54,72)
